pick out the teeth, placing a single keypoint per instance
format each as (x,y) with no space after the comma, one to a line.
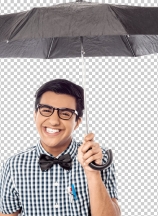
(49,130)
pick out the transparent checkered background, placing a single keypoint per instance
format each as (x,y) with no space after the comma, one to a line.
(122,103)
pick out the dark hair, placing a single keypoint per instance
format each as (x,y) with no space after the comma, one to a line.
(63,86)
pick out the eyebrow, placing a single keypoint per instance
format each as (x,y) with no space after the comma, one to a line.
(57,107)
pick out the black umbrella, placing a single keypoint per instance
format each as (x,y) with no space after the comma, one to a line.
(80,29)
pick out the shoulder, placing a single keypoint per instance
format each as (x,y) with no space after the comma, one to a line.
(19,156)
(104,152)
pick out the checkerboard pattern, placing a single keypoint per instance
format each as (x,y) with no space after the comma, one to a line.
(122,102)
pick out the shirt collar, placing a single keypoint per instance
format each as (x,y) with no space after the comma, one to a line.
(72,150)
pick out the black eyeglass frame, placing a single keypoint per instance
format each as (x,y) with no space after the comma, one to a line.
(58,109)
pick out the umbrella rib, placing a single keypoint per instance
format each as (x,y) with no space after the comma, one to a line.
(128,42)
(51,44)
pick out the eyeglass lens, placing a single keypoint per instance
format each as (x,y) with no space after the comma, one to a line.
(64,114)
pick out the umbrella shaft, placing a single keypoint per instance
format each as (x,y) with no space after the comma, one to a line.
(84,83)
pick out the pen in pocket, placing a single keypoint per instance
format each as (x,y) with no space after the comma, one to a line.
(74,192)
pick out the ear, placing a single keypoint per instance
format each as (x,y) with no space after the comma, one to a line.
(78,123)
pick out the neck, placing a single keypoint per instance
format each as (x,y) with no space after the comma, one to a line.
(55,150)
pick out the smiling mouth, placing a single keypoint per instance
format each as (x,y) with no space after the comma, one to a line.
(51,132)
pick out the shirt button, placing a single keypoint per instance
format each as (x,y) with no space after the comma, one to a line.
(56,205)
(56,184)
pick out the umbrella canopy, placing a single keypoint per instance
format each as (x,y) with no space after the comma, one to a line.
(80,29)
(54,32)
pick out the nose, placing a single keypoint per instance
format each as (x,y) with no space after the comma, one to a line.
(54,118)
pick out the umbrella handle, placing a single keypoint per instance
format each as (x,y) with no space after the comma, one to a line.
(95,166)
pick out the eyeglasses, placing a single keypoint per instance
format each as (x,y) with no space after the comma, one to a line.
(63,113)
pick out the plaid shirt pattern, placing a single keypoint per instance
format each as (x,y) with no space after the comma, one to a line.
(45,193)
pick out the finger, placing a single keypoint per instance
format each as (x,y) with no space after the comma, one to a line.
(89,153)
(88,145)
(89,137)
(80,154)
(97,158)
(80,150)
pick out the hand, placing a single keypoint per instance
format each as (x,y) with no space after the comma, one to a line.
(89,151)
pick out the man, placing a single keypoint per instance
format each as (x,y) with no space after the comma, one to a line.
(53,177)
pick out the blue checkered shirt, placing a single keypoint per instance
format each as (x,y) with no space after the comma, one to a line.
(45,193)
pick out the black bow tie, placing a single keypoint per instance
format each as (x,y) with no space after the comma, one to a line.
(46,162)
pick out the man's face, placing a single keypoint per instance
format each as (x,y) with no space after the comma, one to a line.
(57,142)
